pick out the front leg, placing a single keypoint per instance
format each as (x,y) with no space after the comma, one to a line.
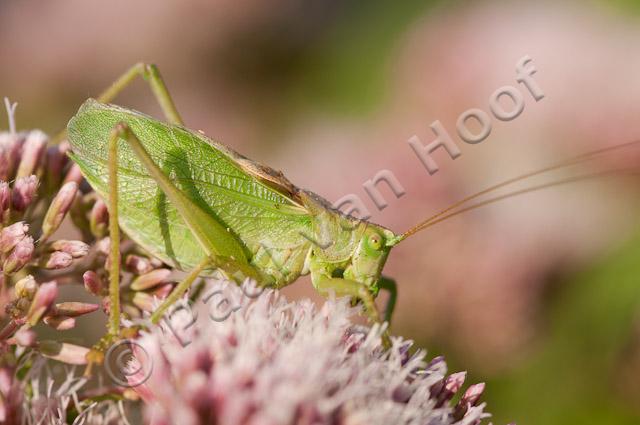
(345,287)
(96,354)
(357,291)
(390,286)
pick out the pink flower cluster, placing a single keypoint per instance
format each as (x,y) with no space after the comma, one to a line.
(276,362)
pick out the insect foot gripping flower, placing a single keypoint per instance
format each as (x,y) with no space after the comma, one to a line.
(276,362)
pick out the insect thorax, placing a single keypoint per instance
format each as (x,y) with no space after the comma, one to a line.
(346,247)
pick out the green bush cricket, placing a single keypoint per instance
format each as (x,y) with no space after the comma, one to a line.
(199,206)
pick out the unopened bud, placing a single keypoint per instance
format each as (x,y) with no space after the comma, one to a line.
(60,323)
(74,175)
(64,352)
(5,202)
(93,283)
(151,279)
(42,302)
(25,338)
(31,153)
(73,309)
(77,249)
(143,301)
(58,209)
(103,246)
(473,394)
(24,192)
(57,260)
(470,398)
(138,265)
(26,287)
(161,292)
(99,219)
(11,235)
(56,160)
(20,256)
(10,146)
(451,385)
(105,304)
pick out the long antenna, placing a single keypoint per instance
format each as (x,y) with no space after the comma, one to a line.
(566,163)
(574,179)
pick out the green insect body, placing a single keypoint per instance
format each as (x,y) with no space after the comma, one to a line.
(283,232)
(199,206)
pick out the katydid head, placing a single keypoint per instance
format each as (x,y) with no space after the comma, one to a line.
(370,256)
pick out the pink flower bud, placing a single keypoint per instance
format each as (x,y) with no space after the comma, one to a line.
(99,219)
(161,292)
(93,283)
(24,192)
(10,146)
(57,260)
(469,399)
(58,209)
(103,246)
(73,309)
(31,153)
(20,256)
(60,323)
(473,393)
(5,202)
(11,235)
(56,161)
(451,385)
(77,249)
(74,175)
(105,304)
(138,265)
(42,302)
(64,352)
(151,279)
(25,338)
(143,301)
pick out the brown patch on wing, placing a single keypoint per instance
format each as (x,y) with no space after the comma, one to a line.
(275,179)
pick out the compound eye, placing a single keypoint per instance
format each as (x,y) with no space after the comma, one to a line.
(375,242)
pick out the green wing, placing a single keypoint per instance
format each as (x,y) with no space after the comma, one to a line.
(257,204)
